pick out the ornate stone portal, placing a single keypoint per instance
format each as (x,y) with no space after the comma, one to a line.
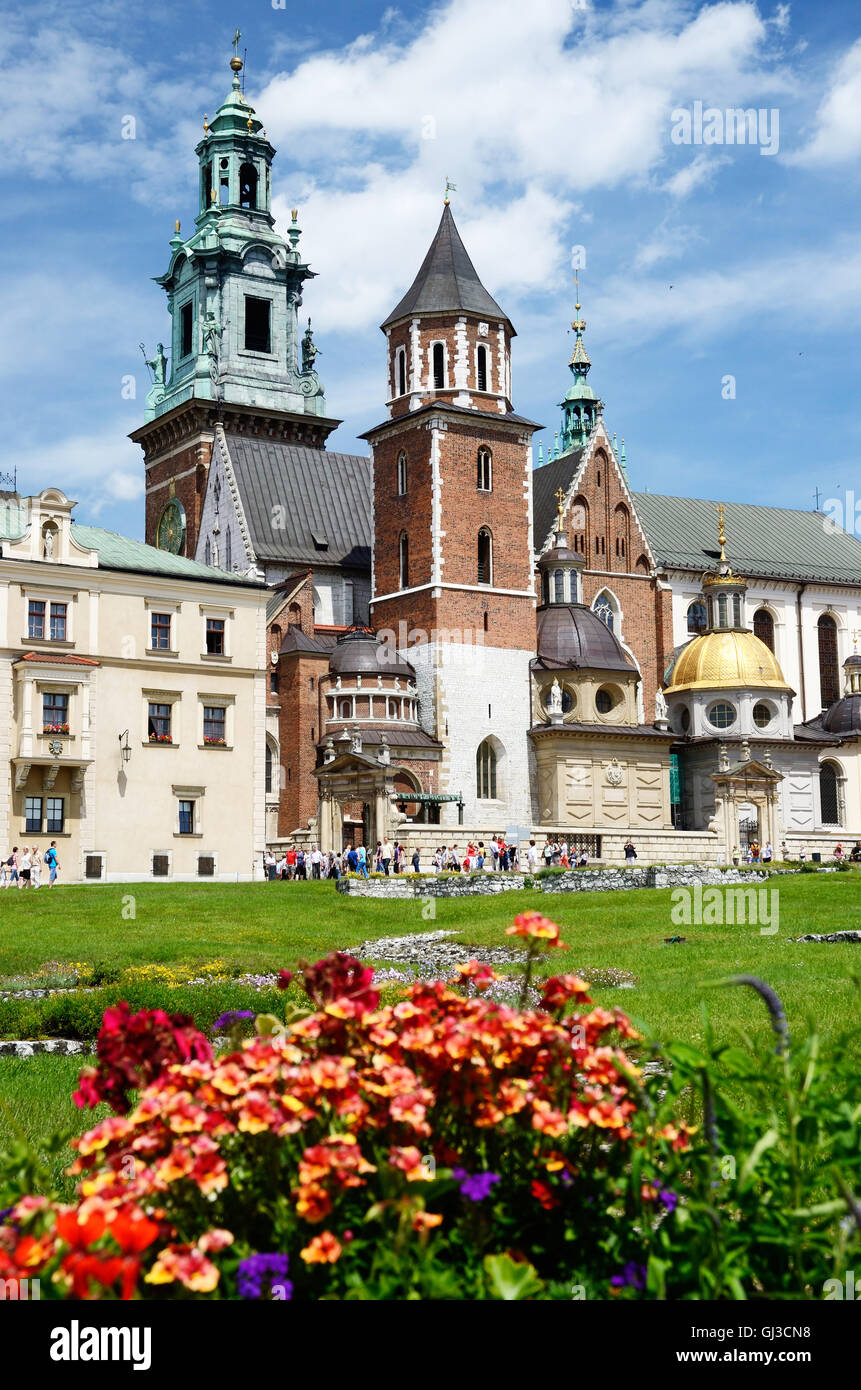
(747,783)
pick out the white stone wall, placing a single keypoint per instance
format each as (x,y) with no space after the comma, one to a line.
(468,693)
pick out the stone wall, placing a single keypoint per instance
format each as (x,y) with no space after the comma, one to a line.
(577,881)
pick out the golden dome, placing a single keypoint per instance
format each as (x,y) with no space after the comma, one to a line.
(726,661)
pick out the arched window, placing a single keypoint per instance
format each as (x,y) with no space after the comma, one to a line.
(248,186)
(736,610)
(224,183)
(404,561)
(606,608)
(830,798)
(392,710)
(269,762)
(722,611)
(485,771)
(696,617)
(622,528)
(481,368)
(294,617)
(829,680)
(558,586)
(438,366)
(205,187)
(485,470)
(485,556)
(401,371)
(402,473)
(578,521)
(763,627)
(345,709)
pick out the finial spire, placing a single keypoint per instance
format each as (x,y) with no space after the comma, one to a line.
(236,62)
(579,363)
(721,533)
(560,504)
(449,188)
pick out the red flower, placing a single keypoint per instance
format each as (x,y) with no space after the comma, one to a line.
(284,978)
(560,988)
(536,926)
(338,977)
(133,1049)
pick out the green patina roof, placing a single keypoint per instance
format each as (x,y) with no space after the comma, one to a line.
(120,553)
(769,542)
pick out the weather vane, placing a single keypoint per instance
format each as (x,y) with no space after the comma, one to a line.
(449,188)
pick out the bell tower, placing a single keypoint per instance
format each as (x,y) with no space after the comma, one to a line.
(452,581)
(234,289)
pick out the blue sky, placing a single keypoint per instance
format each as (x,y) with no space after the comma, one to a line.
(555,121)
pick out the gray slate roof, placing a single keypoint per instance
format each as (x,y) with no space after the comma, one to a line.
(447,281)
(545,483)
(767,542)
(326,499)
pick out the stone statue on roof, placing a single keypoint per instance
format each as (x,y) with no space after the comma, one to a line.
(309,349)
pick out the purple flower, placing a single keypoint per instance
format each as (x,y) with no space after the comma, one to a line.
(669,1199)
(262,1275)
(632,1276)
(232,1017)
(476,1186)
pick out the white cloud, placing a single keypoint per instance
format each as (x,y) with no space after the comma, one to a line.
(837,135)
(699,172)
(96,469)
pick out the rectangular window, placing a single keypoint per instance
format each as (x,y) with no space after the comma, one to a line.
(257,336)
(185,329)
(93,866)
(215,636)
(273,682)
(36,618)
(55,712)
(55,817)
(205,865)
(214,724)
(186,818)
(33,814)
(158,723)
(160,632)
(58,622)
(160,865)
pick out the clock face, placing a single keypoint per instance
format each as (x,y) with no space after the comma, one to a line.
(170,532)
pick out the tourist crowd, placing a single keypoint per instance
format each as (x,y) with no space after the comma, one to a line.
(497,855)
(23,867)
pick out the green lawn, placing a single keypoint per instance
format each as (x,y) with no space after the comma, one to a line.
(267,926)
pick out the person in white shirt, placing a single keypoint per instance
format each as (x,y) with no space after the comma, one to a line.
(532,855)
(36,867)
(386,855)
(25,867)
(316,861)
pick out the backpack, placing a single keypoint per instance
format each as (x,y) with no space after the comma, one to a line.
(50,858)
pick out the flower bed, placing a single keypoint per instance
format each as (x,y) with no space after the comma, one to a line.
(444,1146)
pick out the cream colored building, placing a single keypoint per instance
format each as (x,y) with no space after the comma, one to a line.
(132,703)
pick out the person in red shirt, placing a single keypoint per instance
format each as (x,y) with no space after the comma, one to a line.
(290,856)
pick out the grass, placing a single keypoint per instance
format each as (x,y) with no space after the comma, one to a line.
(267,926)
(35,1102)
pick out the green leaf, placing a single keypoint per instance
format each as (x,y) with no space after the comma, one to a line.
(266,1024)
(765,1142)
(511,1280)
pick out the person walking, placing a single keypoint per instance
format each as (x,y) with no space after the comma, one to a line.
(24,868)
(52,864)
(386,855)
(36,869)
(767,853)
(316,861)
(362,854)
(416,860)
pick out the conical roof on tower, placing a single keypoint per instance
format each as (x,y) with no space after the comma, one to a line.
(447,281)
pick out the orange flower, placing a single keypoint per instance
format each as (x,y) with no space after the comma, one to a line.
(536,926)
(409,1160)
(426,1221)
(322,1249)
(186,1265)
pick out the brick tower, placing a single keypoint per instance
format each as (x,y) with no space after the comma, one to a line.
(452,581)
(233,288)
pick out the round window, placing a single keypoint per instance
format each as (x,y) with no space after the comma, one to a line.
(761,715)
(722,715)
(604,701)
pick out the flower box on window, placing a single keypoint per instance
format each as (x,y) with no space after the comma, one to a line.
(55,728)
(214,742)
(161,738)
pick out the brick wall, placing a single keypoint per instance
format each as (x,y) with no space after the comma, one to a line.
(187,466)
(298,731)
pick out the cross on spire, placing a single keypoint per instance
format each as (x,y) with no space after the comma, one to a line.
(560,500)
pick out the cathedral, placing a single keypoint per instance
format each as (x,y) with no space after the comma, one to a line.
(466,633)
